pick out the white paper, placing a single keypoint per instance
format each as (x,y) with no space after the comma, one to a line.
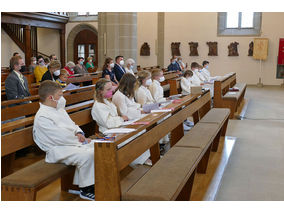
(232,93)
(71,87)
(101,141)
(161,110)
(125,123)
(119,131)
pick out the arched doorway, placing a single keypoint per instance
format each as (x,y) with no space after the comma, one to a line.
(71,41)
(86,45)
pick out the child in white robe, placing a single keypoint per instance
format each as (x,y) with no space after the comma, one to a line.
(155,88)
(104,112)
(142,93)
(124,98)
(62,140)
(185,82)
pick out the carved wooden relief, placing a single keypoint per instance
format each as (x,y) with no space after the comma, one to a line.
(193,48)
(250,51)
(233,49)
(213,48)
(145,49)
(175,48)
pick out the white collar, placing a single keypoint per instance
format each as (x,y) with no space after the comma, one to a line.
(156,82)
(47,107)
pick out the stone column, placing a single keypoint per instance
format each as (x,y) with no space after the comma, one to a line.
(161,39)
(117,35)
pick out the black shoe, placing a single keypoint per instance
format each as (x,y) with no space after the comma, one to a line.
(87,193)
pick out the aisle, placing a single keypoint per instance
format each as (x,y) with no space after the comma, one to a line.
(255,170)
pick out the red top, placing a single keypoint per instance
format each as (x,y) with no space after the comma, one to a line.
(69,71)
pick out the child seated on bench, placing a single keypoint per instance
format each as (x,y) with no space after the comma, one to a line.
(104,112)
(62,140)
(142,94)
(62,78)
(185,82)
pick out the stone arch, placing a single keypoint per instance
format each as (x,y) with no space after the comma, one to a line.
(71,37)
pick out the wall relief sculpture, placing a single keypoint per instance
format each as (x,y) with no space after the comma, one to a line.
(193,48)
(233,49)
(250,51)
(213,48)
(145,49)
(175,48)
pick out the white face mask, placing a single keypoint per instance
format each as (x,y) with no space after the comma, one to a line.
(57,73)
(60,103)
(112,65)
(121,62)
(148,82)
(195,70)
(34,62)
(131,67)
(91,61)
(162,79)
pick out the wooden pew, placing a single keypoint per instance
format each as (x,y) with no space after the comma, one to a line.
(110,160)
(223,98)
(172,177)
(24,184)
(27,109)
(175,87)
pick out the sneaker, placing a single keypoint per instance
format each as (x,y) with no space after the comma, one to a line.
(186,128)
(87,193)
(189,123)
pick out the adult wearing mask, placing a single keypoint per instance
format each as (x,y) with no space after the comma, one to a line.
(80,68)
(205,70)
(174,65)
(53,72)
(70,68)
(33,64)
(129,66)
(40,69)
(16,84)
(118,69)
(90,63)
(108,71)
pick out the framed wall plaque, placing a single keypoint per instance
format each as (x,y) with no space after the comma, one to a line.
(260,48)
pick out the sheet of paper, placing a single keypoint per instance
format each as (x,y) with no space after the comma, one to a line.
(119,131)
(71,86)
(232,93)
(161,110)
(125,123)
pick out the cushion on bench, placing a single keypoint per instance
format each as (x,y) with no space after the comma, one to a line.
(166,178)
(216,115)
(201,135)
(36,174)
(236,94)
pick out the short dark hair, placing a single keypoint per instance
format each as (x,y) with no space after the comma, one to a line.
(117,57)
(15,53)
(39,57)
(47,88)
(127,85)
(194,65)
(188,72)
(79,58)
(50,57)
(14,61)
(205,62)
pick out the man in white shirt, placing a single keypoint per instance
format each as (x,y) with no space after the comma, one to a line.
(195,80)
(62,140)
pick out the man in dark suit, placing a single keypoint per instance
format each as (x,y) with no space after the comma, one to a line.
(16,84)
(118,69)
(174,66)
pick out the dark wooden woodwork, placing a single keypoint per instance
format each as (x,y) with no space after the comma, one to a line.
(233,49)
(62,47)
(193,48)
(145,49)
(213,48)
(27,44)
(175,48)
(86,37)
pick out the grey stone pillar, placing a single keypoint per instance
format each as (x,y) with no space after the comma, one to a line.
(117,36)
(161,39)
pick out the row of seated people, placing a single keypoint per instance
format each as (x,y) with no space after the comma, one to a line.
(63,141)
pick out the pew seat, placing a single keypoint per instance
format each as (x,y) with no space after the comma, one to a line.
(216,115)
(24,184)
(236,94)
(171,178)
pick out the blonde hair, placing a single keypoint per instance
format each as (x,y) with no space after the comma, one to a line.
(63,72)
(70,64)
(155,72)
(89,58)
(100,85)
(55,64)
(141,76)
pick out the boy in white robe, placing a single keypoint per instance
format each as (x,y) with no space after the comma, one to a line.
(155,88)
(62,140)
(185,82)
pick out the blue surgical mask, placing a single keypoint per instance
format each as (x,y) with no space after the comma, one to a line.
(81,62)
(206,67)
(131,67)
(173,62)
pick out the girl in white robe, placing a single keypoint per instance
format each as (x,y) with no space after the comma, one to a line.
(124,98)
(142,93)
(185,83)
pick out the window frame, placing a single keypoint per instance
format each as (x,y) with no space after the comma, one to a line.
(246,31)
